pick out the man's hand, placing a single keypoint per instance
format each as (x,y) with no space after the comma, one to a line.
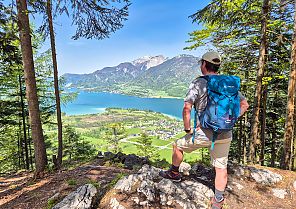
(243,106)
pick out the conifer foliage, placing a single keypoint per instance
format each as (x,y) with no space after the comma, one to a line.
(255,39)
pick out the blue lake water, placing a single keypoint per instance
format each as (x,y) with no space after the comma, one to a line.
(91,102)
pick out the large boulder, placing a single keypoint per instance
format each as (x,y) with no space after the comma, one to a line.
(261,176)
(133,160)
(79,199)
(185,168)
(147,189)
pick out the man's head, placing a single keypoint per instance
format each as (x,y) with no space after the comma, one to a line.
(210,63)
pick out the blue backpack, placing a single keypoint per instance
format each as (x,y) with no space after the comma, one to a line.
(223,105)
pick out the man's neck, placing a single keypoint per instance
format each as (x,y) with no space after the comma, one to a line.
(210,73)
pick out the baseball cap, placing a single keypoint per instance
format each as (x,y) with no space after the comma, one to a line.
(212,57)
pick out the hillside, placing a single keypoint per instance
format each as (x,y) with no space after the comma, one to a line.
(144,189)
(125,180)
(147,76)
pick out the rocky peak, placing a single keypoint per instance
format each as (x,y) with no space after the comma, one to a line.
(146,62)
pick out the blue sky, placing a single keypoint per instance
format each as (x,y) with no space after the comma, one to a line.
(153,27)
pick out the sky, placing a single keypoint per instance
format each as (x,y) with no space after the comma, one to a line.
(154,27)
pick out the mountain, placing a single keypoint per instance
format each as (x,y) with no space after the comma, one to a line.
(150,76)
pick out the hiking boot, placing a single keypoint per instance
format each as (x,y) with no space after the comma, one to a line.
(215,204)
(169,174)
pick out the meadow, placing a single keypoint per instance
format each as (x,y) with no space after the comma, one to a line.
(130,125)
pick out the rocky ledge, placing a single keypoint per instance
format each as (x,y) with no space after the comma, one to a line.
(146,189)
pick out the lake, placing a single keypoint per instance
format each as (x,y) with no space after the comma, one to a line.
(92,102)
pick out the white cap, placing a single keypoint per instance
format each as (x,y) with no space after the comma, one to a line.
(212,57)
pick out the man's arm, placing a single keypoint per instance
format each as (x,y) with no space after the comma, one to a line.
(186,115)
(243,106)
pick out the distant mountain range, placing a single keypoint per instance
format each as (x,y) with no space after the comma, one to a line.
(149,76)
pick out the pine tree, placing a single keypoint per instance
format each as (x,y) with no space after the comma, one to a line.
(31,89)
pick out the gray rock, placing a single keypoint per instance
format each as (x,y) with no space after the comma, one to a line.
(144,203)
(152,189)
(125,185)
(149,172)
(136,200)
(132,160)
(79,199)
(187,194)
(185,168)
(148,189)
(280,193)
(239,171)
(114,204)
(202,172)
(197,191)
(294,185)
(100,155)
(264,176)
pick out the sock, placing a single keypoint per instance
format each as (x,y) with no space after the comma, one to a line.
(219,195)
(175,169)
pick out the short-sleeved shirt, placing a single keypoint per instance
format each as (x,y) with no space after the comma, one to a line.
(197,95)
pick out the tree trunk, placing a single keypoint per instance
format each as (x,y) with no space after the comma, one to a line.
(31,89)
(56,84)
(24,124)
(19,146)
(289,125)
(245,139)
(260,74)
(239,141)
(263,125)
(273,138)
(30,147)
(294,138)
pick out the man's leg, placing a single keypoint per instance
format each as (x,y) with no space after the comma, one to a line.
(219,158)
(173,172)
(220,183)
(177,156)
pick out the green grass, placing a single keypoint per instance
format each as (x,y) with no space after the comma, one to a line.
(92,130)
(179,135)
(72,182)
(95,141)
(155,141)
(160,142)
(131,131)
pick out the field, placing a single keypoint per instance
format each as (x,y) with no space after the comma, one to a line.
(130,125)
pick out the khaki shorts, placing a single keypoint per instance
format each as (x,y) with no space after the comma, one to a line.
(219,156)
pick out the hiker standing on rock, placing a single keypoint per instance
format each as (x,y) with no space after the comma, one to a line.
(218,104)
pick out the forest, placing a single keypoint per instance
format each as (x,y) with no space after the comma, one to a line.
(257,40)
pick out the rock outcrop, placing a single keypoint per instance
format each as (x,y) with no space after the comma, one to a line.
(261,176)
(79,199)
(147,189)
(129,161)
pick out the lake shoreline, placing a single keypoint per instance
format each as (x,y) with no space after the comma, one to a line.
(96,102)
(125,94)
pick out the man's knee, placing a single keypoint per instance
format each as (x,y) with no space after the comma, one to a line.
(222,172)
(176,148)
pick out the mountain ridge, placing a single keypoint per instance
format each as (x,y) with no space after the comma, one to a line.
(148,76)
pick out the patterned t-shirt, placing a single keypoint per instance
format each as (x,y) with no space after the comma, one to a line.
(197,95)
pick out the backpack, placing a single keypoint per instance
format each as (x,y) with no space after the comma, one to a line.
(223,105)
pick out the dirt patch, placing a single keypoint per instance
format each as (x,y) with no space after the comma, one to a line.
(22,192)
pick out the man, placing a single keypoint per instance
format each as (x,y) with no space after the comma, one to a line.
(197,96)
